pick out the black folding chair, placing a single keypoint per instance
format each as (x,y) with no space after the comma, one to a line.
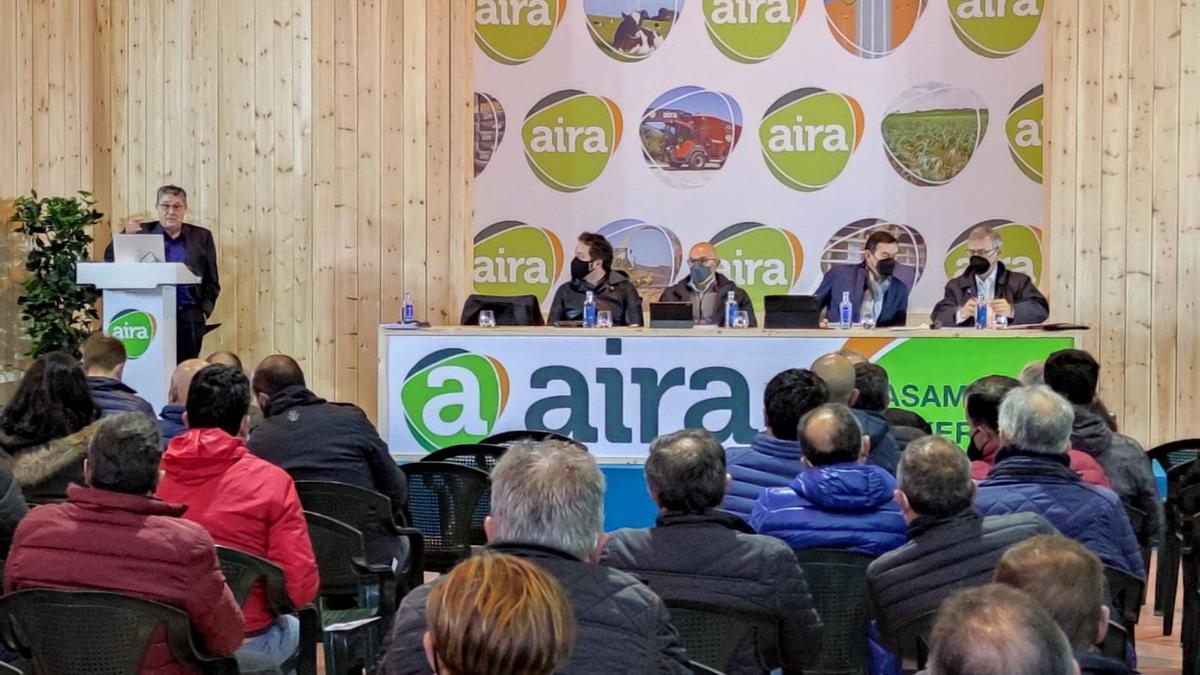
(838,583)
(712,635)
(353,637)
(913,640)
(442,499)
(1171,457)
(98,633)
(373,514)
(243,572)
(1116,642)
(535,435)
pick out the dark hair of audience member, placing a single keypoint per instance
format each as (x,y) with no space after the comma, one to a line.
(788,396)
(900,417)
(218,399)
(598,249)
(984,397)
(686,471)
(1074,374)
(997,630)
(871,381)
(496,613)
(102,352)
(935,477)
(841,444)
(275,373)
(52,401)
(1065,578)
(124,453)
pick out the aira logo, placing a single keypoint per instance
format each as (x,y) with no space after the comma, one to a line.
(761,260)
(1024,131)
(750,31)
(513,258)
(453,396)
(808,136)
(569,137)
(995,28)
(135,329)
(513,31)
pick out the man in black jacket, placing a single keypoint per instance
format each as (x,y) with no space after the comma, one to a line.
(950,546)
(548,508)
(591,271)
(313,439)
(193,246)
(707,289)
(985,280)
(697,553)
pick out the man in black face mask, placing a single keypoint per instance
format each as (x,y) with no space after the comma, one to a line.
(707,289)
(1006,293)
(591,270)
(871,281)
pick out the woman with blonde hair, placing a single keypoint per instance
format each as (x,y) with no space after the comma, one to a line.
(496,613)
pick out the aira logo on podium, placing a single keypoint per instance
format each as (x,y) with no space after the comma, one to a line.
(134,328)
(453,396)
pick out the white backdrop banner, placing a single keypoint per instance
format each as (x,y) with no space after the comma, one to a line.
(782,131)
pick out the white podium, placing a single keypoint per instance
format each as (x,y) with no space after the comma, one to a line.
(139,310)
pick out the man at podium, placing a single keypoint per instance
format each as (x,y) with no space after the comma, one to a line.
(193,246)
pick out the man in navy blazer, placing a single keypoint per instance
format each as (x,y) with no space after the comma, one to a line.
(871,280)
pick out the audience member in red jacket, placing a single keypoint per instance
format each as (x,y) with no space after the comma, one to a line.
(244,502)
(983,399)
(113,536)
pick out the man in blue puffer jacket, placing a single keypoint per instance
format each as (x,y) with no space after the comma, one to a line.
(1032,474)
(773,459)
(838,501)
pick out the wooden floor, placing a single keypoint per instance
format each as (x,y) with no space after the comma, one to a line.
(1159,655)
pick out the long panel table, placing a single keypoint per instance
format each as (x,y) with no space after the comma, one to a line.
(616,389)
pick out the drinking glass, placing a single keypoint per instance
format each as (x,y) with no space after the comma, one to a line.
(741,319)
(603,319)
(487,318)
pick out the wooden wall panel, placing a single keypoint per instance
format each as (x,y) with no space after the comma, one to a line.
(1123,194)
(316,139)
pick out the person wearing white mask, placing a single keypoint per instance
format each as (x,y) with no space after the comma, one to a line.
(707,289)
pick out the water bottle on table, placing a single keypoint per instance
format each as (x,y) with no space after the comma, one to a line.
(981,314)
(846,311)
(409,314)
(589,310)
(731,310)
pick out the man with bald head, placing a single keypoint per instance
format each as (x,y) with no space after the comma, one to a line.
(838,372)
(707,289)
(170,418)
(314,439)
(837,501)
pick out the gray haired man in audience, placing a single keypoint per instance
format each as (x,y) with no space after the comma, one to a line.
(698,553)
(950,545)
(548,508)
(998,630)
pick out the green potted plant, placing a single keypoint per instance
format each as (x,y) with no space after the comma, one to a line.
(60,313)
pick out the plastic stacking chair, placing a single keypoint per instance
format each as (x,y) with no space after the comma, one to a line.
(913,640)
(1126,594)
(1137,520)
(1172,457)
(353,637)
(442,499)
(838,583)
(713,635)
(243,572)
(482,456)
(510,437)
(1190,556)
(697,669)
(371,513)
(98,633)
(1116,641)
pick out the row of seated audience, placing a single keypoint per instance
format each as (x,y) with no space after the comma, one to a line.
(826,473)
